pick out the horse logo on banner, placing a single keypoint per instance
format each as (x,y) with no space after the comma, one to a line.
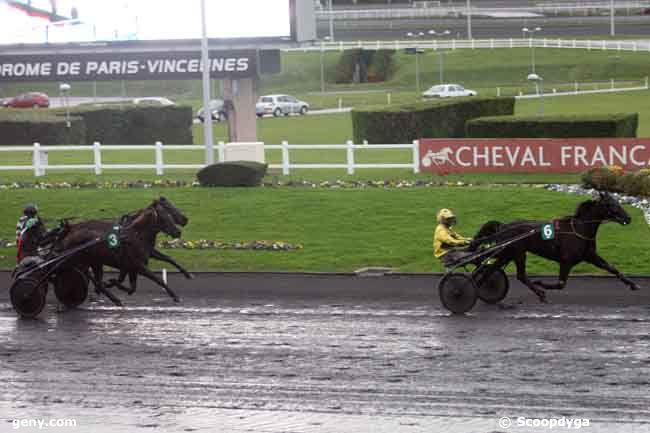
(440,160)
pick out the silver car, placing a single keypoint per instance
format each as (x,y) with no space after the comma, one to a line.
(279,105)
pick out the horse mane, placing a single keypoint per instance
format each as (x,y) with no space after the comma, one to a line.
(583,208)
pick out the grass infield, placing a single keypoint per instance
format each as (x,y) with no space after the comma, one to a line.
(341,230)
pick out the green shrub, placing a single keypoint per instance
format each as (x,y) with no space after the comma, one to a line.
(382,66)
(26,127)
(441,118)
(556,126)
(235,173)
(137,125)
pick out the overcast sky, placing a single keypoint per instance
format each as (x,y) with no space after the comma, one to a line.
(153,19)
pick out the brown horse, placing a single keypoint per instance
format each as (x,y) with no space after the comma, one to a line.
(131,252)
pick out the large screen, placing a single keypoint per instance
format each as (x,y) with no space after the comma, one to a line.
(117,20)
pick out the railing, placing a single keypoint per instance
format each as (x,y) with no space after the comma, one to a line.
(40,157)
(455,44)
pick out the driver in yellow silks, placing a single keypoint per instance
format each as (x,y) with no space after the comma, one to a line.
(446,241)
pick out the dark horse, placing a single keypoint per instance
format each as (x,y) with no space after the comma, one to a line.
(149,241)
(133,252)
(574,242)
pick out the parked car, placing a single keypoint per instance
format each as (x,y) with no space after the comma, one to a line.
(278,105)
(217,110)
(448,91)
(28,100)
(154,101)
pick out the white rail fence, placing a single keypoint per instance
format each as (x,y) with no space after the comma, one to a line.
(456,44)
(40,157)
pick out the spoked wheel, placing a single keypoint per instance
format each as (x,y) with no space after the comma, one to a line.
(457,293)
(71,287)
(492,284)
(28,297)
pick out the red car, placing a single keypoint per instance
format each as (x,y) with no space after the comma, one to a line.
(28,100)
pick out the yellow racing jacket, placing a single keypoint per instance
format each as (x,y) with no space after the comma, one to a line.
(444,238)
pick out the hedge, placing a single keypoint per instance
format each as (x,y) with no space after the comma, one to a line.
(556,126)
(443,118)
(137,125)
(233,173)
(26,127)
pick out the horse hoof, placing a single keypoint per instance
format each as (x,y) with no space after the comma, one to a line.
(635,287)
(177,299)
(191,277)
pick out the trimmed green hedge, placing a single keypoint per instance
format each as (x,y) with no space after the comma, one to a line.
(137,125)
(443,118)
(234,173)
(26,127)
(614,179)
(556,126)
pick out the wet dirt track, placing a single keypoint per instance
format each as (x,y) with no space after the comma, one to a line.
(337,354)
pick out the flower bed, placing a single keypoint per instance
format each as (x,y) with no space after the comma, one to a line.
(615,179)
(203,244)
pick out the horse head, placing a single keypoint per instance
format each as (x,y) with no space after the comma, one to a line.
(164,220)
(604,208)
(176,214)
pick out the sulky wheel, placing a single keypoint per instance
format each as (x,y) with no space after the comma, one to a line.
(457,293)
(27,297)
(492,284)
(71,287)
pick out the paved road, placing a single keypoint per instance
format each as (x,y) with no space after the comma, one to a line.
(336,354)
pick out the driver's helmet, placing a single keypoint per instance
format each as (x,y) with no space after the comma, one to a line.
(446,217)
(30,210)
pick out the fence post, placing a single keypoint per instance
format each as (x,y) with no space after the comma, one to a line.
(36,160)
(416,156)
(511,43)
(222,151)
(498,91)
(350,157)
(646,82)
(612,83)
(492,43)
(576,87)
(159,159)
(285,158)
(97,151)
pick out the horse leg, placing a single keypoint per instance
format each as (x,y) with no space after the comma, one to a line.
(565,270)
(98,273)
(119,283)
(601,263)
(520,263)
(145,272)
(155,254)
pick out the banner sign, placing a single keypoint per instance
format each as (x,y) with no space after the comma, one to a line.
(444,156)
(163,65)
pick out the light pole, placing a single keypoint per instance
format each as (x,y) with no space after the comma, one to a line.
(612,12)
(207,121)
(331,15)
(417,53)
(539,84)
(532,44)
(440,53)
(469,19)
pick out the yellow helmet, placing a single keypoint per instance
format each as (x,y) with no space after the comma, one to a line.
(445,216)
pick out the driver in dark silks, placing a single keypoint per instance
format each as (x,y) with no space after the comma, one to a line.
(447,244)
(30,211)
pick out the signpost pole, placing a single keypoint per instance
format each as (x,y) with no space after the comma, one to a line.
(207,122)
